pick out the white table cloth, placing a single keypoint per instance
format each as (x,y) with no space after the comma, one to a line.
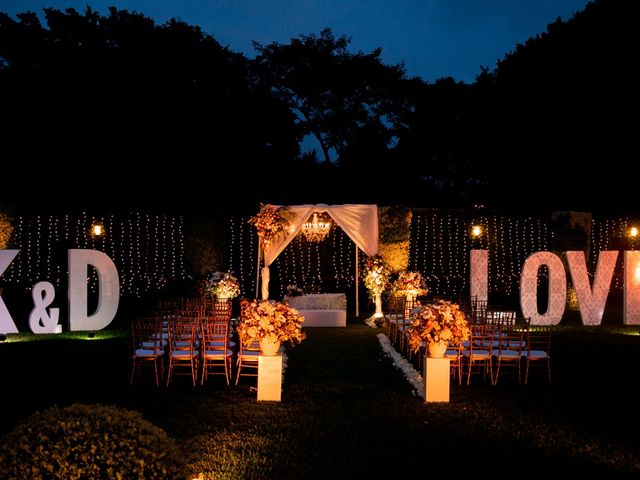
(318,301)
(321,309)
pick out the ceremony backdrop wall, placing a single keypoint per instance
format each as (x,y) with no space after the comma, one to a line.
(439,247)
(147,250)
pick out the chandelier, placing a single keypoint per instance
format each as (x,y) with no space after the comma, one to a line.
(317,227)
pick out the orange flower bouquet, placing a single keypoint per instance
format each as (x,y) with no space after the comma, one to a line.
(441,321)
(266,318)
(270,222)
(410,283)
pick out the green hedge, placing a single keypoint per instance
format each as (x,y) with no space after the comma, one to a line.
(89,441)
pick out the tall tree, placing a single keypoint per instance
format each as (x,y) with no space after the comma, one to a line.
(106,92)
(562,106)
(334,93)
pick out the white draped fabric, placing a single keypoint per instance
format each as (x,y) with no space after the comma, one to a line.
(359,222)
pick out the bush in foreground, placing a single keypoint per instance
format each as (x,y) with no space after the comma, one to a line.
(89,441)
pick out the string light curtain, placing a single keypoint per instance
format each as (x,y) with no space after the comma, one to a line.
(441,241)
(328,264)
(359,222)
(439,250)
(148,250)
(611,234)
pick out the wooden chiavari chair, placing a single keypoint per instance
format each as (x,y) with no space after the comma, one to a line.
(454,354)
(216,348)
(537,352)
(479,350)
(508,351)
(183,352)
(394,317)
(148,347)
(247,362)
(221,309)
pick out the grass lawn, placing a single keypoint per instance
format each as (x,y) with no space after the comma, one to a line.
(348,413)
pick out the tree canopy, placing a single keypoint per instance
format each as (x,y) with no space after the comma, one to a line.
(335,93)
(106,93)
(99,94)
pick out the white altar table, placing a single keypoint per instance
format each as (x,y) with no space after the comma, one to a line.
(321,309)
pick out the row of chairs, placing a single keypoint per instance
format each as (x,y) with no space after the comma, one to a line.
(399,318)
(194,337)
(493,349)
(199,306)
(521,348)
(187,347)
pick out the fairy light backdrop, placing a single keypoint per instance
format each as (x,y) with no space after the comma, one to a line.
(611,234)
(441,241)
(328,264)
(148,250)
(439,248)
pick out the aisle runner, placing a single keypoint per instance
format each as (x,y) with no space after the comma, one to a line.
(410,373)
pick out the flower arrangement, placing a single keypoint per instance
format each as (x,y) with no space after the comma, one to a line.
(263,318)
(441,321)
(294,291)
(376,275)
(410,283)
(222,285)
(270,222)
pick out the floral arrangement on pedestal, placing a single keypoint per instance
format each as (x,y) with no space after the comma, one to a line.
(376,275)
(270,222)
(222,285)
(441,322)
(410,283)
(294,291)
(376,279)
(267,320)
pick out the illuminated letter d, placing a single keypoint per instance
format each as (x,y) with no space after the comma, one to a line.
(108,290)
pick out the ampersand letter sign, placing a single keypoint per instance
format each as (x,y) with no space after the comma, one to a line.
(42,320)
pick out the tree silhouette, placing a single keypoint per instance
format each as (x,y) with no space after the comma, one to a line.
(562,109)
(551,127)
(334,93)
(104,93)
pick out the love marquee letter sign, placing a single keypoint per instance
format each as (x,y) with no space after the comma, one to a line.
(45,320)
(591,297)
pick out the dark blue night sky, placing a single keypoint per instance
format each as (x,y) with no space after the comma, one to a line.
(434,38)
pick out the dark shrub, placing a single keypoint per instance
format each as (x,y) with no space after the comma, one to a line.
(89,441)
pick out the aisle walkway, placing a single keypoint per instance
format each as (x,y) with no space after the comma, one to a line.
(347,364)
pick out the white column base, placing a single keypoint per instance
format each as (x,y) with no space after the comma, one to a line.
(437,378)
(270,378)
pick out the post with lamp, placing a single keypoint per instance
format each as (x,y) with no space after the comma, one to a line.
(633,233)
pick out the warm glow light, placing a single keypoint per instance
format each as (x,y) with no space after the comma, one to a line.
(476,231)
(633,232)
(97,230)
(317,228)
(636,274)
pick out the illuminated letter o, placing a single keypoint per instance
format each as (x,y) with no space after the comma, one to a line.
(529,289)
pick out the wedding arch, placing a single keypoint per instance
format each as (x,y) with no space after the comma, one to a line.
(359,222)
